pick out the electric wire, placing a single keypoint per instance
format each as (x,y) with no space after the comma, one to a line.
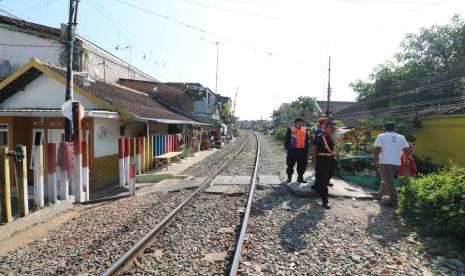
(235,11)
(201,30)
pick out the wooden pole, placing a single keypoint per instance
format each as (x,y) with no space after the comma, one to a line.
(5,186)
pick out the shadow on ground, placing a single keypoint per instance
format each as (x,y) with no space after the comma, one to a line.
(304,214)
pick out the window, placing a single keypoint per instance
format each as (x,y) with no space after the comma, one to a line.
(3,135)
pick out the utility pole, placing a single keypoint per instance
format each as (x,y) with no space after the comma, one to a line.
(216,83)
(329,89)
(234,108)
(73,8)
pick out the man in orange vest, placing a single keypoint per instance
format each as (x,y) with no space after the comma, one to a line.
(296,144)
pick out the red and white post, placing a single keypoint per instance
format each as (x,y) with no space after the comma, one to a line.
(52,172)
(77,179)
(85,169)
(64,188)
(39,176)
(127,159)
(132,182)
(121,162)
(138,160)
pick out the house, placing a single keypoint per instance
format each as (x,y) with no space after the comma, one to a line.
(22,40)
(190,99)
(30,114)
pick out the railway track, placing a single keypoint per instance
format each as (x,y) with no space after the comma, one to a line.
(126,262)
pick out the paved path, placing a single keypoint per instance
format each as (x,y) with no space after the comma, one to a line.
(340,188)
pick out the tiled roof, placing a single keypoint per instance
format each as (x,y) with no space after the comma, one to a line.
(335,106)
(138,103)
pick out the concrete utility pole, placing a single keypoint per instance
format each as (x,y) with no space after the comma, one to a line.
(329,89)
(73,8)
(216,83)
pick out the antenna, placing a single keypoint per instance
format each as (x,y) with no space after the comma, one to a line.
(329,88)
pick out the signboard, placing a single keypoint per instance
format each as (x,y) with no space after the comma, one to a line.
(67,110)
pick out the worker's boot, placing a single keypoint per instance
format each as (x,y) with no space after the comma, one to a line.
(301,179)
(289,178)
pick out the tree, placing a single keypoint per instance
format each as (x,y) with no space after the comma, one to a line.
(304,106)
(434,55)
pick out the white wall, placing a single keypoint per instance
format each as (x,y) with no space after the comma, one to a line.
(43,92)
(18,56)
(106,134)
(115,68)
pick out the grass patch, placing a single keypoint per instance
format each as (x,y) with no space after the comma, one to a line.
(154,178)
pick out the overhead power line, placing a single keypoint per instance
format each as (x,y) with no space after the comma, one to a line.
(235,11)
(203,31)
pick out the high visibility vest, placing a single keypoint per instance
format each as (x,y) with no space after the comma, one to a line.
(298,138)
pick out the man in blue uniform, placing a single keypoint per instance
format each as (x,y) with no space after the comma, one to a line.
(297,146)
(323,153)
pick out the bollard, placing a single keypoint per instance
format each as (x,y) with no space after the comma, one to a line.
(127,159)
(132,185)
(77,179)
(39,176)
(138,155)
(52,175)
(151,152)
(121,161)
(85,170)
(142,154)
(23,196)
(5,186)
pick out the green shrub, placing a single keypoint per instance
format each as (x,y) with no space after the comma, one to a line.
(436,202)
(280,133)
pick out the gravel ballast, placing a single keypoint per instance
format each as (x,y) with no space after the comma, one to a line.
(296,236)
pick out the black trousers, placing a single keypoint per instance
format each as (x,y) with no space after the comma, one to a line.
(298,156)
(324,171)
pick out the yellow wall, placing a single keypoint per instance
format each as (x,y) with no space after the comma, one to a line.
(442,137)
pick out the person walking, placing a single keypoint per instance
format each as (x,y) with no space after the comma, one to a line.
(325,164)
(407,164)
(388,147)
(296,144)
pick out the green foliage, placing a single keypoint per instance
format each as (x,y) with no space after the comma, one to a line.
(302,107)
(227,110)
(433,55)
(436,202)
(404,125)
(280,133)
(425,164)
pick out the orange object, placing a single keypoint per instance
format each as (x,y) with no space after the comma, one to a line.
(298,137)
(322,120)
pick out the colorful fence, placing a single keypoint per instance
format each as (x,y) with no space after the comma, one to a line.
(165,143)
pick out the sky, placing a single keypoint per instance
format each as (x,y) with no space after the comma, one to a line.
(270,51)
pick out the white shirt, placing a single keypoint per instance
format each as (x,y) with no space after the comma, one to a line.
(391,145)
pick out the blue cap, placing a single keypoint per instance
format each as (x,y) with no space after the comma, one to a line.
(330,123)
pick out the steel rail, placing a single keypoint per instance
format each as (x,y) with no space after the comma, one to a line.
(126,260)
(237,254)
